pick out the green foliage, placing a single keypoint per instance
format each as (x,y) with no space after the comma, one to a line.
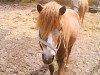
(67,2)
(59,1)
(26,1)
(7,0)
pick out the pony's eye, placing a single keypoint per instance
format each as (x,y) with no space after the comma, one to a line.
(41,46)
(52,57)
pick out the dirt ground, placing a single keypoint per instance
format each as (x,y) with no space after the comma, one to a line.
(20,53)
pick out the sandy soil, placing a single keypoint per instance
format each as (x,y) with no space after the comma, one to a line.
(20,53)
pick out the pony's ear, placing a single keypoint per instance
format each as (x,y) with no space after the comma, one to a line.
(39,8)
(62,10)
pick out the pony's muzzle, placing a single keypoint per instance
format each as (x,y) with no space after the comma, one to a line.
(47,59)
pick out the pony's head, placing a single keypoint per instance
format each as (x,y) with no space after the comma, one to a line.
(50,29)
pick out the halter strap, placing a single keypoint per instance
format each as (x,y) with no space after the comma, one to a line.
(48,44)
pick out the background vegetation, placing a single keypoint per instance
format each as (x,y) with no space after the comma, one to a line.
(91,2)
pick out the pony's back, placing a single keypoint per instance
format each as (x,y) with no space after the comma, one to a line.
(80,6)
(83,7)
(71,23)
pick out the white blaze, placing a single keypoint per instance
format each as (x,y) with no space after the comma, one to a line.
(50,40)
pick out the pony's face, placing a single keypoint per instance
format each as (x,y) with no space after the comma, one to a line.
(49,50)
(51,44)
(50,47)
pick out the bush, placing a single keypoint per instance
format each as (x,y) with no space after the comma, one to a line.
(93,2)
(25,1)
(59,1)
(7,0)
(17,1)
(67,2)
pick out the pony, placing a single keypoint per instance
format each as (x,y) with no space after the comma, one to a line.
(58,30)
(80,6)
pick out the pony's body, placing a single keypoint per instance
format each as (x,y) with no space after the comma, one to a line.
(59,27)
(80,6)
(71,25)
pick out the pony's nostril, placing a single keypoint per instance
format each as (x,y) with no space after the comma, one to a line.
(52,57)
(42,56)
(47,59)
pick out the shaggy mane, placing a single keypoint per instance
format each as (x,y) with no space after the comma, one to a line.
(49,18)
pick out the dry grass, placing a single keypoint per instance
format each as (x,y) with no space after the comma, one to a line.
(19,50)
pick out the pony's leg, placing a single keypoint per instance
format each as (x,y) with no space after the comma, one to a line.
(83,16)
(61,65)
(61,60)
(69,51)
(51,69)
